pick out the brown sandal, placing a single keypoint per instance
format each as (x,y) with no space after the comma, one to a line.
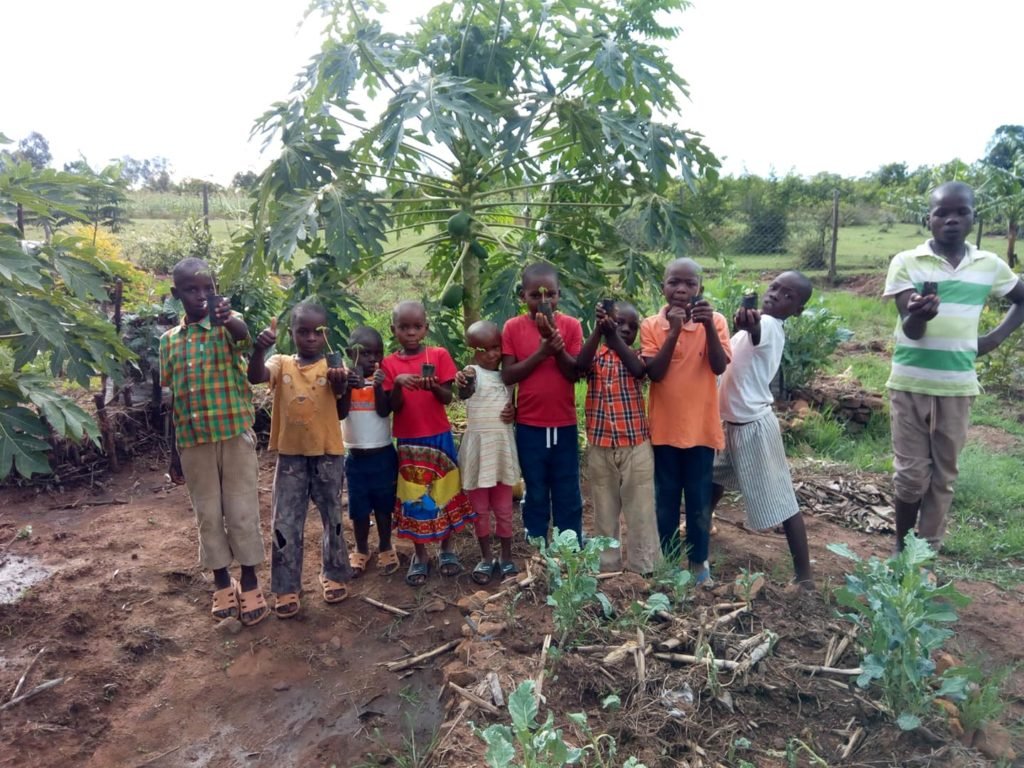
(334,592)
(225,603)
(387,561)
(252,601)
(287,605)
(357,561)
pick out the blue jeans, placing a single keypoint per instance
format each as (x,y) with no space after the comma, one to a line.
(680,472)
(550,462)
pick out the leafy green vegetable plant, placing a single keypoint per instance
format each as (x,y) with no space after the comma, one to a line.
(899,612)
(572,579)
(811,338)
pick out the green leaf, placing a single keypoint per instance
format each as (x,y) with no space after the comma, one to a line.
(611,702)
(658,601)
(606,605)
(872,668)
(63,414)
(500,750)
(843,550)
(908,722)
(579,718)
(916,551)
(522,707)
(21,443)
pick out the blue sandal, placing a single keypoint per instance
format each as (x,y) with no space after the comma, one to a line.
(508,569)
(450,565)
(417,574)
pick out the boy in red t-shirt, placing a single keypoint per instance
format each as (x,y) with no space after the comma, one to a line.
(539,355)
(430,504)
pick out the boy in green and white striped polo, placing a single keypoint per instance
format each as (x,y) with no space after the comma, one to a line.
(940,288)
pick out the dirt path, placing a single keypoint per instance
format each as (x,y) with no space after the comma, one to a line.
(153,682)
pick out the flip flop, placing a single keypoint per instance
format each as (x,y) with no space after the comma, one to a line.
(387,561)
(484,572)
(225,603)
(357,561)
(334,591)
(252,601)
(450,564)
(508,569)
(287,605)
(417,574)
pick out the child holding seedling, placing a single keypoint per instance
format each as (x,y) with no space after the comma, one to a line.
(685,347)
(940,289)
(202,362)
(430,504)
(304,430)
(539,351)
(488,461)
(620,461)
(754,458)
(371,463)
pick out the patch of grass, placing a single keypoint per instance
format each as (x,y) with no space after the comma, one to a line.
(823,437)
(869,368)
(869,318)
(987,518)
(991,411)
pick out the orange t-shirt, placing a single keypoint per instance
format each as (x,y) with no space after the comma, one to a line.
(304,421)
(684,404)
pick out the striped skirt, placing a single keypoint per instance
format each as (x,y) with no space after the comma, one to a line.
(754,462)
(430,504)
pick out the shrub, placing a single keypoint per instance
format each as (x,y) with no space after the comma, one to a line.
(766,232)
(160,253)
(811,338)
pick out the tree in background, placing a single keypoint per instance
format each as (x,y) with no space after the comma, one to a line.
(513,132)
(50,324)
(34,149)
(1003,188)
(244,181)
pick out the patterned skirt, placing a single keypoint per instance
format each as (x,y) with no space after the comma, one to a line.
(430,504)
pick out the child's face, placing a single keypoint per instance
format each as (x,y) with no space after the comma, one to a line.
(410,327)
(682,284)
(369,350)
(783,298)
(536,289)
(193,291)
(308,334)
(951,217)
(486,349)
(628,322)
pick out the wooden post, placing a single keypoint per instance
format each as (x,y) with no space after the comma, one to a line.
(105,432)
(206,205)
(981,223)
(835,237)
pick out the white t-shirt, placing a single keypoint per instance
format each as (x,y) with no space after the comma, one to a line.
(363,428)
(744,393)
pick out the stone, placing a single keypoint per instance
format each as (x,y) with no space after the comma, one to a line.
(801,407)
(491,629)
(457,672)
(281,685)
(229,626)
(993,741)
(944,661)
(336,643)
(435,605)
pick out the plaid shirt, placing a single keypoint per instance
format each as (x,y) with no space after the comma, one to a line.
(206,373)
(616,413)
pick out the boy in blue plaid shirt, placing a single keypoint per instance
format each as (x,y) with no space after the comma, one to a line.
(620,460)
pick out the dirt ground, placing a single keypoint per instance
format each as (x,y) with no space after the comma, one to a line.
(151,681)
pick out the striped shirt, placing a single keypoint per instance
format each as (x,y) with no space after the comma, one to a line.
(206,372)
(942,361)
(616,416)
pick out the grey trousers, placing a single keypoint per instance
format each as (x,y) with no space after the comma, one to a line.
(297,480)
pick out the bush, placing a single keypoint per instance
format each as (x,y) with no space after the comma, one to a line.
(767,230)
(811,338)
(160,253)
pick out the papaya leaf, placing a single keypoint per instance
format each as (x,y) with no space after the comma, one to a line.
(21,443)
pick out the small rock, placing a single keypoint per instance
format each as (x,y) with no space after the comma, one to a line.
(457,672)
(229,626)
(336,643)
(491,629)
(469,603)
(435,605)
(993,741)
(281,685)
(944,661)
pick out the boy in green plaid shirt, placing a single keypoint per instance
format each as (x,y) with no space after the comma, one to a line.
(202,363)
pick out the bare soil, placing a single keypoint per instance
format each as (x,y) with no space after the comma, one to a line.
(151,681)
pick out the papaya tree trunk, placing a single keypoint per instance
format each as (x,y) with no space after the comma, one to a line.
(471,298)
(1011,243)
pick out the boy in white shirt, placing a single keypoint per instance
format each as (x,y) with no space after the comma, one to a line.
(754,459)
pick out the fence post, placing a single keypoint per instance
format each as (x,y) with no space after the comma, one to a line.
(981,222)
(206,205)
(835,237)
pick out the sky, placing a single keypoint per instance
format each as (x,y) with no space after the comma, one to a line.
(779,86)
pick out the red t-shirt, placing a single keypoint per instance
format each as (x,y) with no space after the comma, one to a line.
(422,414)
(546,398)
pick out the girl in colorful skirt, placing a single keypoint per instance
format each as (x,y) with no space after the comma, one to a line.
(430,505)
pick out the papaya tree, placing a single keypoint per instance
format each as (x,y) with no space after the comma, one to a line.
(51,327)
(540,129)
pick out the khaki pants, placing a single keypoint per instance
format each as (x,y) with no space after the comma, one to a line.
(928,433)
(222,482)
(622,483)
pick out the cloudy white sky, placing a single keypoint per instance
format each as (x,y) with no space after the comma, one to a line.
(783,85)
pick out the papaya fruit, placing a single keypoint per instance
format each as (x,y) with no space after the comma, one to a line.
(458,225)
(452,297)
(478,250)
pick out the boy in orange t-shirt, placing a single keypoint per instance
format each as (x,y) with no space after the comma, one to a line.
(686,347)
